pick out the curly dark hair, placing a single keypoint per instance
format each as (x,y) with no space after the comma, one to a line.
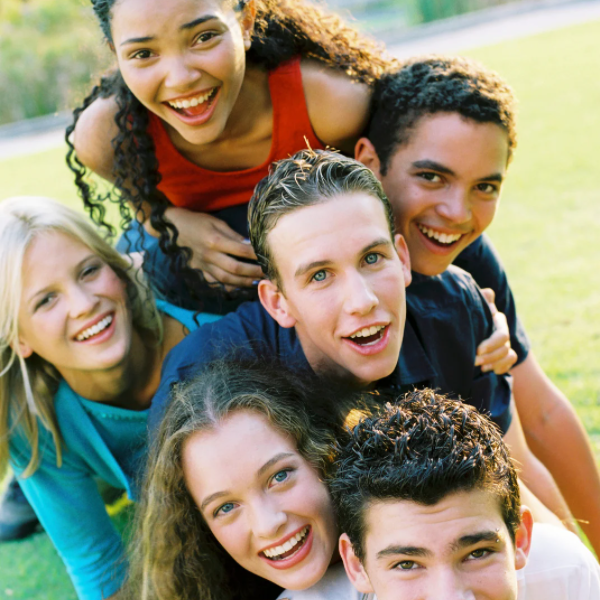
(174,554)
(309,177)
(283,29)
(432,84)
(421,449)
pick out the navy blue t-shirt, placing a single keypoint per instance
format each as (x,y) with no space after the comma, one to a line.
(447,318)
(481,260)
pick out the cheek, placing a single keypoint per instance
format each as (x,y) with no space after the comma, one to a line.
(485,215)
(233,537)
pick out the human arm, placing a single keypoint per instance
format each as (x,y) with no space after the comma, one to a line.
(556,435)
(534,474)
(215,245)
(72,512)
(338,107)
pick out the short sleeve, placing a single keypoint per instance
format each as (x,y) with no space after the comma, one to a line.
(481,260)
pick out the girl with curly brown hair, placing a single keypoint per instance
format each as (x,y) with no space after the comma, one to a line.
(208,93)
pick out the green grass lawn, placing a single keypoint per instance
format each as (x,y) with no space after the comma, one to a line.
(546,231)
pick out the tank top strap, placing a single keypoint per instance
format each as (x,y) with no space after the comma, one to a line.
(291,124)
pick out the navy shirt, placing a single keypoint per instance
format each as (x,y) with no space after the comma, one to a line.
(447,318)
(481,260)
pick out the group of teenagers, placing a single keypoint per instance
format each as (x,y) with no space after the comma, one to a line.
(287,361)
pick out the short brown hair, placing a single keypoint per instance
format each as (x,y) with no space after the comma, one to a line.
(307,178)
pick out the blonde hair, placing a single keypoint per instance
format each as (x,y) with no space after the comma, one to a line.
(27,385)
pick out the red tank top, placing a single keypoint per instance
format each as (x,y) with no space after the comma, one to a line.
(187,185)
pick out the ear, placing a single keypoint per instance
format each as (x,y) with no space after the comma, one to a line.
(523,538)
(402,250)
(275,303)
(354,568)
(364,152)
(22,348)
(248,17)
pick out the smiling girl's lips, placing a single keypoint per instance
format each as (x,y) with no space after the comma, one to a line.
(107,324)
(196,115)
(300,552)
(370,345)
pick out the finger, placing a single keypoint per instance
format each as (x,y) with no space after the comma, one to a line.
(503,365)
(489,295)
(499,339)
(237,267)
(228,280)
(219,242)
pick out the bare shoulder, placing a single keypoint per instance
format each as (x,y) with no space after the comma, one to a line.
(93,135)
(338,107)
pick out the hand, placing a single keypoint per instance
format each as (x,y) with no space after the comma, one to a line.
(215,245)
(495,353)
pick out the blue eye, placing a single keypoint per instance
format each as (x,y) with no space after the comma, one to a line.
(224,509)
(372,258)
(281,476)
(319,276)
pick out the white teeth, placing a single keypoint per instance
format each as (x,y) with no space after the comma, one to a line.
(367,331)
(443,238)
(95,329)
(191,101)
(287,546)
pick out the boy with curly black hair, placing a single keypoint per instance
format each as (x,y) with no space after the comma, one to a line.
(428,500)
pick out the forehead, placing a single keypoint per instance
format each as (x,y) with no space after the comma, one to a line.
(332,230)
(462,144)
(139,18)
(219,457)
(436,527)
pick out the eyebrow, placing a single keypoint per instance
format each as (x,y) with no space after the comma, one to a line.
(405,550)
(184,27)
(43,290)
(475,538)
(260,471)
(303,269)
(440,168)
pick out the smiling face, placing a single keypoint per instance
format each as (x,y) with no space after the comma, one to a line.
(184,60)
(267,507)
(341,285)
(74,311)
(457,548)
(444,185)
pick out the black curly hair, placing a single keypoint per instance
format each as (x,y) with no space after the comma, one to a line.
(433,84)
(421,449)
(282,29)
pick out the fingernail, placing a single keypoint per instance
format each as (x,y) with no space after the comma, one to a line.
(246,241)
(486,368)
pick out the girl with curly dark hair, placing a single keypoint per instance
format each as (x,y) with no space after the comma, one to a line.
(208,93)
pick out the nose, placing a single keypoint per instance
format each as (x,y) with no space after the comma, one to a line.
(181,72)
(81,301)
(447,584)
(360,299)
(267,518)
(456,206)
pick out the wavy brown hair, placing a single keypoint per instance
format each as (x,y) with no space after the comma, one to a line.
(283,29)
(174,554)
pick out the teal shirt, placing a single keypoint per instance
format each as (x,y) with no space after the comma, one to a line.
(102,441)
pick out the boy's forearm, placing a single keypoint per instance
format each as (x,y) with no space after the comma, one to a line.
(557,437)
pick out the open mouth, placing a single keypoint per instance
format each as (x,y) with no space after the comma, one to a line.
(194,105)
(95,330)
(289,548)
(368,336)
(443,240)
